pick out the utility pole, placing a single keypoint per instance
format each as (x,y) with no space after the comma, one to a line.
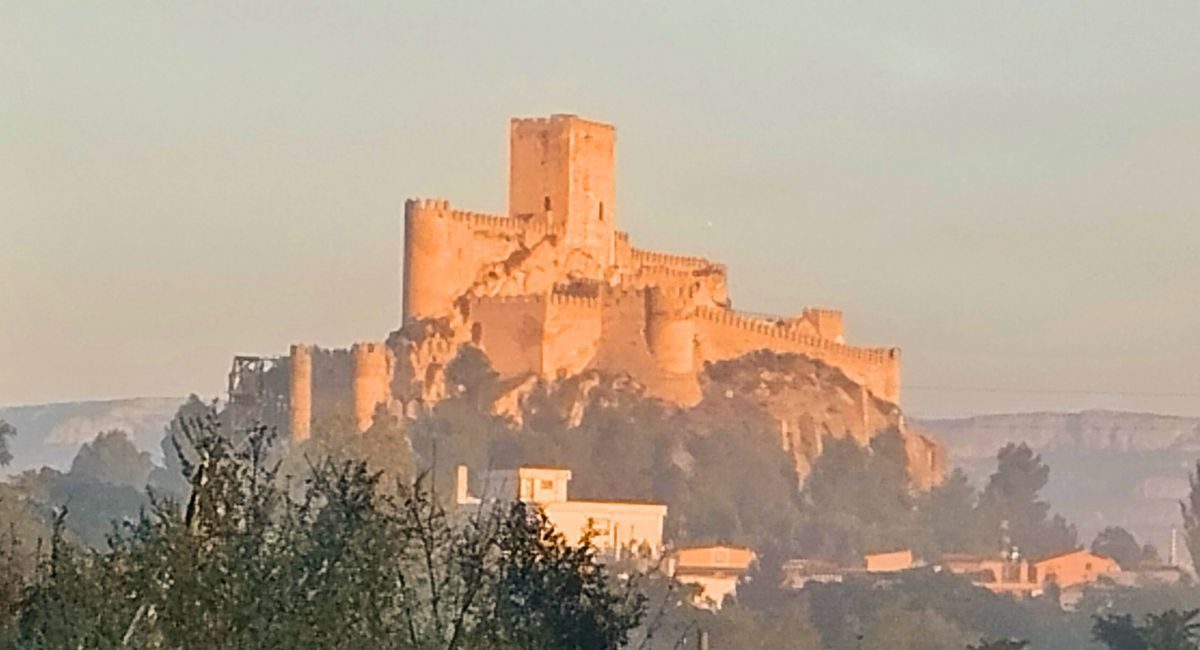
(1173,556)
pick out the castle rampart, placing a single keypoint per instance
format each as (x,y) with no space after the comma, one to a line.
(641,256)
(372,379)
(726,334)
(511,330)
(572,333)
(300,398)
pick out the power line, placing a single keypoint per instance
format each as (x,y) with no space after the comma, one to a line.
(1050,391)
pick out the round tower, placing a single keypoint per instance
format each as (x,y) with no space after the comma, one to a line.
(300,400)
(371,381)
(427,233)
(671,328)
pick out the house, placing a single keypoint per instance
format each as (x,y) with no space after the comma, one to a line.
(889,562)
(800,572)
(617,527)
(1073,568)
(715,569)
(1002,575)
(876,568)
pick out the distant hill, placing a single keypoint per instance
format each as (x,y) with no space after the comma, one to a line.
(1106,467)
(50,434)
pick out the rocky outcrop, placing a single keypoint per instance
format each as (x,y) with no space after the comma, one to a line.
(804,401)
(811,402)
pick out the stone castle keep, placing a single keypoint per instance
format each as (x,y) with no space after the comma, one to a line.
(549,290)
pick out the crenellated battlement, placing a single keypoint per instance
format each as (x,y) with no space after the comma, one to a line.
(479,221)
(571,299)
(783,333)
(367,348)
(644,257)
(520,299)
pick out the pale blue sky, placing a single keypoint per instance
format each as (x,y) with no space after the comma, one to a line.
(1009,191)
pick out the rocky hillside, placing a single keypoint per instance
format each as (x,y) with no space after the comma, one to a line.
(802,401)
(50,434)
(1106,467)
(810,402)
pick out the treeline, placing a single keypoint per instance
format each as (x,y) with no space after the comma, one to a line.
(342,560)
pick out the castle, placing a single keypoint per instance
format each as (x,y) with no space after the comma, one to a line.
(549,290)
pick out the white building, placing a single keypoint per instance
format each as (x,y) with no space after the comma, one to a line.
(620,526)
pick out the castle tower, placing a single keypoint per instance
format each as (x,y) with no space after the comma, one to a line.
(428,249)
(827,322)
(300,400)
(562,169)
(372,376)
(671,329)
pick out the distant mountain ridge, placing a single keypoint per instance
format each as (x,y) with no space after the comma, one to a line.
(1106,467)
(1116,430)
(50,434)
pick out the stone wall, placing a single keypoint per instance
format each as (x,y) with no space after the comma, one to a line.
(571,335)
(726,335)
(511,331)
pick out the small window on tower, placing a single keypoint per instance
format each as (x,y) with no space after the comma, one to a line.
(602,210)
(546,203)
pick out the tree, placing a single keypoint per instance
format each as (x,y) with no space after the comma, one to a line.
(112,458)
(947,514)
(785,625)
(6,431)
(899,627)
(1167,630)
(1120,545)
(859,500)
(384,447)
(169,480)
(105,486)
(1011,510)
(1191,515)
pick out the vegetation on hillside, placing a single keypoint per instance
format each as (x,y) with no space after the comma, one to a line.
(725,478)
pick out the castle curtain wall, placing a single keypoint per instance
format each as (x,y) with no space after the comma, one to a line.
(511,332)
(727,335)
(573,332)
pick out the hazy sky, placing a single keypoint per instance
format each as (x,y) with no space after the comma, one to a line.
(1009,191)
